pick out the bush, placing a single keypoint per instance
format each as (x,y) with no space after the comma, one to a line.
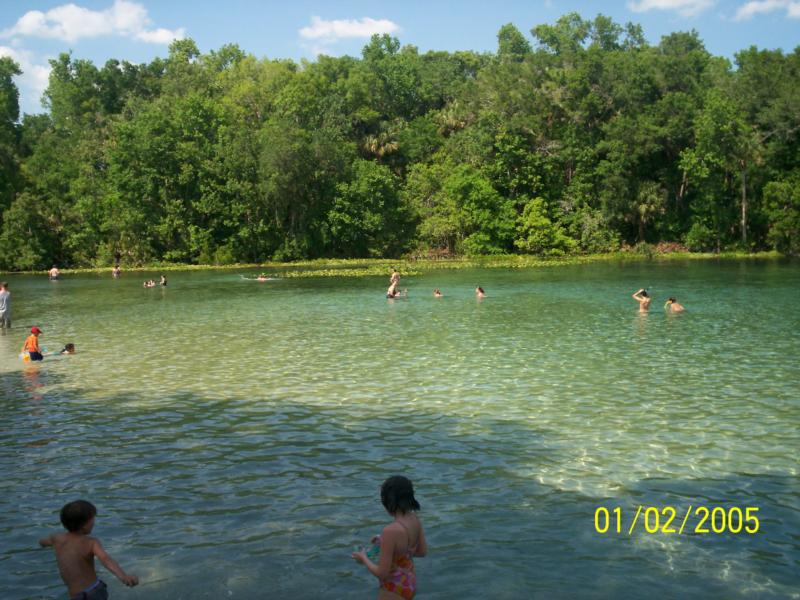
(26,241)
(479,243)
(782,199)
(670,247)
(700,238)
(224,255)
(537,234)
(591,230)
(644,249)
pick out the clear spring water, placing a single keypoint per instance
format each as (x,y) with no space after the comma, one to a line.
(233,434)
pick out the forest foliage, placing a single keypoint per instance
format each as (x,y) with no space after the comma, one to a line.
(580,139)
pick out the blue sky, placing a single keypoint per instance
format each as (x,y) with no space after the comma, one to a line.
(33,31)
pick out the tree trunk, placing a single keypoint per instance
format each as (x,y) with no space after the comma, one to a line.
(684,183)
(744,206)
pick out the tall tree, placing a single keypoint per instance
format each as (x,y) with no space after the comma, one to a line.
(9,133)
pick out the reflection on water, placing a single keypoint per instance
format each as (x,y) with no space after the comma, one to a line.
(233,433)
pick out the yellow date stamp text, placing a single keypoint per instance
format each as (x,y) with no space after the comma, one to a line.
(670,520)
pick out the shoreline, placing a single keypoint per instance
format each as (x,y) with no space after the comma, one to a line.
(365,267)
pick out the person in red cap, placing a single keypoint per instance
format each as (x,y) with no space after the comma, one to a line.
(31,345)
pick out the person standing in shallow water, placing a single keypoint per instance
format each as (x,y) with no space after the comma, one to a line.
(5,306)
(76,551)
(54,273)
(394,281)
(643,299)
(31,345)
(399,542)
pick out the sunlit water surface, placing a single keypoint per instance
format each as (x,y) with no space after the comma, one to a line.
(233,434)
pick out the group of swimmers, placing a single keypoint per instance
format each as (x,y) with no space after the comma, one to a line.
(641,296)
(259,277)
(53,274)
(393,292)
(390,557)
(644,299)
(151,282)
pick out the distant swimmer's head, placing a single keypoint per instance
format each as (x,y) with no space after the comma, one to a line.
(77,514)
(397,495)
(645,294)
(68,349)
(671,299)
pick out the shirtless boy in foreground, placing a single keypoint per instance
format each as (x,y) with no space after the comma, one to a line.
(75,552)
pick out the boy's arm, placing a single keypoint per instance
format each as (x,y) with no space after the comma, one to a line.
(112,565)
(46,541)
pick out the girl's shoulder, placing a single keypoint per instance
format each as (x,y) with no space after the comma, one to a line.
(398,528)
(393,527)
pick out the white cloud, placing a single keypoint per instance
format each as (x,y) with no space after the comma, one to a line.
(70,23)
(331,31)
(686,8)
(322,34)
(756,7)
(161,35)
(34,78)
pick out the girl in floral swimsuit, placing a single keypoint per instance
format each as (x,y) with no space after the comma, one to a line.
(399,542)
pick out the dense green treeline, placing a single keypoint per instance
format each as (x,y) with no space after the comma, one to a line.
(585,140)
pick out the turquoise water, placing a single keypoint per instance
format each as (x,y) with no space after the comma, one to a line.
(233,434)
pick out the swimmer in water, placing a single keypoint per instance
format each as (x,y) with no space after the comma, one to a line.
(673,306)
(437,293)
(392,294)
(643,299)
(479,293)
(394,280)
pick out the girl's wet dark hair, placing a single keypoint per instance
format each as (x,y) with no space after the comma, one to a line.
(76,514)
(397,495)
